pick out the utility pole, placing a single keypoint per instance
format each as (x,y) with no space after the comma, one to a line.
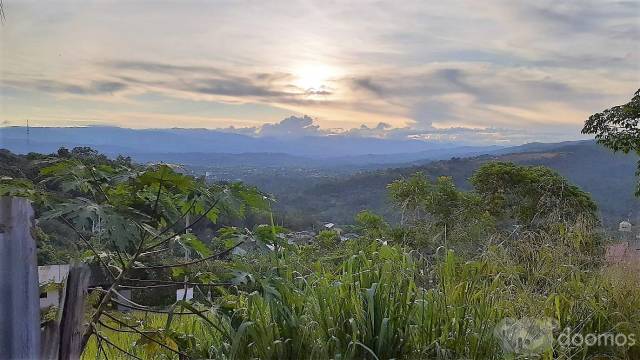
(28,141)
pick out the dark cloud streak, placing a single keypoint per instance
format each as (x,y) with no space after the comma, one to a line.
(58,87)
(207,80)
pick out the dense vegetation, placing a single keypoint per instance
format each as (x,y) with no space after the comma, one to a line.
(303,200)
(38,177)
(377,301)
(522,244)
(503,268)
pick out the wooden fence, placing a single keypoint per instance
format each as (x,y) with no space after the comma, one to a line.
(21,334)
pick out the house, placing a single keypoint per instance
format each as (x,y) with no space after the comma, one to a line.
(332,227)
(630,234)
(51,279)
(628,249)
(625,227)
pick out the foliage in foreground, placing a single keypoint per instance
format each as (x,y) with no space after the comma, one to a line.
(382,302)
(532,253)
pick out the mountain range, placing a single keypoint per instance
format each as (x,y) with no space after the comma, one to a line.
(331,178)
(115,140)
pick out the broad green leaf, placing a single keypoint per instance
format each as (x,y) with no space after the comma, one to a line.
(191,242)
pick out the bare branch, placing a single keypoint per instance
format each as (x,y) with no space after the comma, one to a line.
(169,227)
(114,329)
(153,252)
(107,297)
(93,175)
(156,311)
(95,252)
(120,258)
(194,261)
(101,348)
(170,282)
(170,285)
(184,228)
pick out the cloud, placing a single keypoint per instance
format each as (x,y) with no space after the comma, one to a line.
(230,87)
(157,67)
(305,126)
(58,87)
(368,84)
(219,83)
(180,80)
(578,17)
(250,131)
(426,69)
(382,130)
(292,126)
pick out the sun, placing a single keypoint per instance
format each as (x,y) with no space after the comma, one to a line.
(314,77)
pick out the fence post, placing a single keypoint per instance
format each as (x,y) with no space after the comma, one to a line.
(61,338)
(19,289)
(71,323)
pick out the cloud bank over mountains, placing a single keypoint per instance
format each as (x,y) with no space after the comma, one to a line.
(294,127)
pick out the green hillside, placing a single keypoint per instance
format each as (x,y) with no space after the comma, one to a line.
(607,176)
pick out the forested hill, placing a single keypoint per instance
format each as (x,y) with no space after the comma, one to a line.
(607,176)
(305,198)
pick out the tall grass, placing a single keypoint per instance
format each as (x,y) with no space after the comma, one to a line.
(186,332)
(383,302)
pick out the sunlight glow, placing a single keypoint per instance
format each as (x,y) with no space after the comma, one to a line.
(314,77)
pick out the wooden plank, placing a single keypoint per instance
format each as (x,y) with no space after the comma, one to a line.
(19,289)
(50,340)
(61,337)
(72,320)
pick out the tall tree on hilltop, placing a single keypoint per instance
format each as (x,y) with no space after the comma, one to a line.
(618,128)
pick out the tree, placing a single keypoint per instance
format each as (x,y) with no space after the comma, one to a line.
(437,213)
(88,155)
(618,128)
(417,197)
(371,225)
(131,220)
(328,239)
(530,195)
(63,152)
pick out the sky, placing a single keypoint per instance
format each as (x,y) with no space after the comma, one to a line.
(492,71)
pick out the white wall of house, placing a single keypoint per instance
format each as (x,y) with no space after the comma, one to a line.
(52,274)
(49,298)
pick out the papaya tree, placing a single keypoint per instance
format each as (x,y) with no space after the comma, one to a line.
(130,220)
